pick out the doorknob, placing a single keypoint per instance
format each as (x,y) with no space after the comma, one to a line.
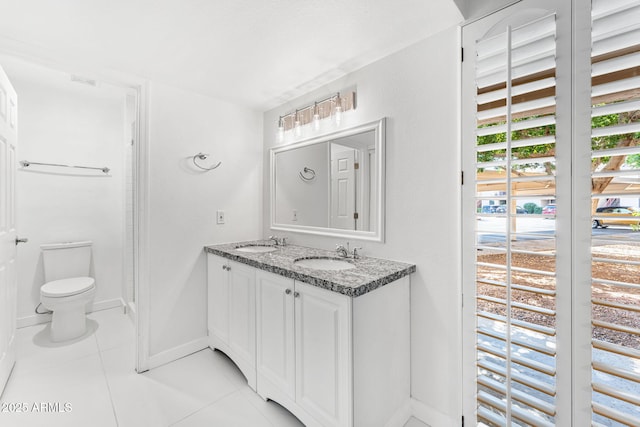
(19,240)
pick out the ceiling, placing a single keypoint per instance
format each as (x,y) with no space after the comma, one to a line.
(256,53)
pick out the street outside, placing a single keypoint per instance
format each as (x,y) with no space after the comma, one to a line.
(492,229)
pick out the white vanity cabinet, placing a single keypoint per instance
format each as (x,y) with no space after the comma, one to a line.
(303,349)
(335,354)
(333,360)
(231,312)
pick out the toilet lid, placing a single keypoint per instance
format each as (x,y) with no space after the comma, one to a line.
(67,287)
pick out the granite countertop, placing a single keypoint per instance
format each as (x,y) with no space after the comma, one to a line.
(368,274)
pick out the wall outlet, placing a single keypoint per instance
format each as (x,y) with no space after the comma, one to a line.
(295,215)
(219,217)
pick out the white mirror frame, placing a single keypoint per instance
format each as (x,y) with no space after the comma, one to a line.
(377,235)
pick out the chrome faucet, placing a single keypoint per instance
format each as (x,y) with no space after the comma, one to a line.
(342,251)
(355,253)
(278,241)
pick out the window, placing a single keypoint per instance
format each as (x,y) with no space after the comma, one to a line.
(540,286)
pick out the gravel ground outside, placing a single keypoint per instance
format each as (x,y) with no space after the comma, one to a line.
(620,272)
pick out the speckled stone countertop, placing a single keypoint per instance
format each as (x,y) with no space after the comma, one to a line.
(368,274)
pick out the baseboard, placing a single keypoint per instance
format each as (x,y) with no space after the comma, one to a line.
(432,417)
(401,416)
(176,353)
(36,319)
(106,304)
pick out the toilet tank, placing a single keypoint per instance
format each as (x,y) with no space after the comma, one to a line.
(65,260)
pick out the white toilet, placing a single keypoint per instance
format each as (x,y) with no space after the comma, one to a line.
(68,288)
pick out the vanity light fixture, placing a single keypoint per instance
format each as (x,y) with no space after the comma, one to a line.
(280,129)
(333,106)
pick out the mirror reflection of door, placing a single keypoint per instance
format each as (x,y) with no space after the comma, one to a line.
(343,188)
(352,186)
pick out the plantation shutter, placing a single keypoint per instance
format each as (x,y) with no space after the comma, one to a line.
(515,149)
(615,145)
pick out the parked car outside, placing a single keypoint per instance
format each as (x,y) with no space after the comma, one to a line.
(616,215)
(549,210)
(503,209)
(489,209)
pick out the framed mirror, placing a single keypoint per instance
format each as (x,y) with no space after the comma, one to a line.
(332,185)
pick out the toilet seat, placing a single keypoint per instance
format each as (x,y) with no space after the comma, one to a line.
(67,287)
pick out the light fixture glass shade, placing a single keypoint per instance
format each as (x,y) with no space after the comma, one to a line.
(297,128)
(337,115)
(315,121)
(280,130)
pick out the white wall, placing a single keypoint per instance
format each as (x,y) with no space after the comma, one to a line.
(183,203)
(417,90)
(473,9)
(68,123)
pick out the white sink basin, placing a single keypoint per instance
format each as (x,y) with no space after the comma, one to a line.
(257,249)
(333,264)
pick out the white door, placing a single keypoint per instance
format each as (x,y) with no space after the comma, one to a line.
(275,340)
(323,354)
(343,197)
(8,141)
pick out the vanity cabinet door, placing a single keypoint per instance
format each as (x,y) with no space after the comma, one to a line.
(218,298)
(323,354)
(242,311)
(232,313)
(275,337)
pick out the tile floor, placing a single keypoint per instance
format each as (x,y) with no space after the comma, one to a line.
(95,376)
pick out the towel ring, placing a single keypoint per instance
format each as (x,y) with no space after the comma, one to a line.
(307,174)
(203,156)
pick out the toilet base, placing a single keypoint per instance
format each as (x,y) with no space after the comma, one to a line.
(69,323)
(69,318)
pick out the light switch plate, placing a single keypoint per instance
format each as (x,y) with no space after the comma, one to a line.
(219,217)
